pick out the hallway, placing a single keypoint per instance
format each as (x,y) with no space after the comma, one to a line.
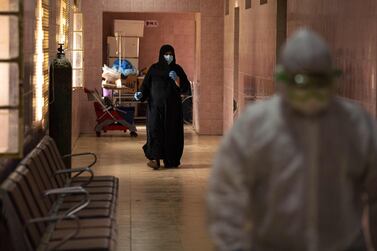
(66,63)
(158,210)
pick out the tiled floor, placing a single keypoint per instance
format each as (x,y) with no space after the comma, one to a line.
(158,210)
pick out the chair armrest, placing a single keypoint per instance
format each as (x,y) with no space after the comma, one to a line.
(83,154)
(76,190)
(65,191)
(78,172)
(56,219)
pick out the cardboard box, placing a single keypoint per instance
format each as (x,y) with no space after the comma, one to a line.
(130,47)
(134,61)
(129,28)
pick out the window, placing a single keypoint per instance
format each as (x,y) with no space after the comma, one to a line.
(63,23)
(247,4)
(226,7)
(263,1)
(11,72)
(41,61)
(78,47)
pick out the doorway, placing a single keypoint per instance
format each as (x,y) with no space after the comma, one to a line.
(158,30)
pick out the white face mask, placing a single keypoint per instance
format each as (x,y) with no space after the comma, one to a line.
(169,58)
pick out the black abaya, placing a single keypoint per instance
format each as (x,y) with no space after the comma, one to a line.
(165,136)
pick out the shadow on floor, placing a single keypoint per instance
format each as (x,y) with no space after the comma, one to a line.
(197,166)
(162,168)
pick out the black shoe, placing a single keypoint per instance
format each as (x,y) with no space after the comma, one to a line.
(155,164)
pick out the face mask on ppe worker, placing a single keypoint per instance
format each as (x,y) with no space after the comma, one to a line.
(169,58)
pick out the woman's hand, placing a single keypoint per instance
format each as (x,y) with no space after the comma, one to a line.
(173,75)
(138,96)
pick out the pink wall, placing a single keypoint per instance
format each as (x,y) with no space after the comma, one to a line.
(228,67)
(350,27)
(76,117)
(351,32)
(196,89)
(257,51)
(257,57)
(209,83)
(180,34)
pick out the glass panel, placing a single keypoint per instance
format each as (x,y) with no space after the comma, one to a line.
(77,78)
(247,4)
(8,37)
(77,22)
(226,7)
(77,59)
(9,132)
(9,5)
(77,41)
(9,84)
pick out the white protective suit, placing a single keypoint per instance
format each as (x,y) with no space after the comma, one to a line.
(286,182)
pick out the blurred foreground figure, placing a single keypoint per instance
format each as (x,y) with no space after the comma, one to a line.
(296,171)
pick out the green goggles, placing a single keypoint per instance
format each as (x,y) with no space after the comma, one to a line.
(306,80)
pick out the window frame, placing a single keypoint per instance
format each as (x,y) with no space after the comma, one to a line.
(226,7)
(248,4)
(19,61)
(75,50)
(41,77)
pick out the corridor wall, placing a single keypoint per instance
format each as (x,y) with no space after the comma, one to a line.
(350,27)
(257,57)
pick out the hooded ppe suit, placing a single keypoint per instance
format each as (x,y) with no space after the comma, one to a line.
(165,138)
(282,181)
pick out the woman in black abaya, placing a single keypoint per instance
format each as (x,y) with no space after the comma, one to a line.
(162,88)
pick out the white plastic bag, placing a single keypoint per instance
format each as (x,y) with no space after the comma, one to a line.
(110,75)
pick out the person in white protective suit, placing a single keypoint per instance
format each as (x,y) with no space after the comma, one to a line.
(296,171)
